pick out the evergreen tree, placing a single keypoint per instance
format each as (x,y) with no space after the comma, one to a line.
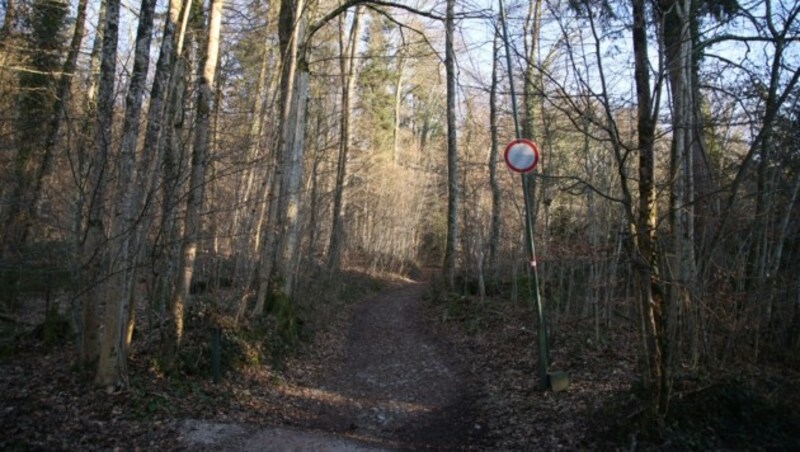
(34,108)
(375,82)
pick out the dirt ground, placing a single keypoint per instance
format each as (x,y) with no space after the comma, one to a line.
(391,384)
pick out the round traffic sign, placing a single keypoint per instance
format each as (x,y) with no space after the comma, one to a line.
(521,155)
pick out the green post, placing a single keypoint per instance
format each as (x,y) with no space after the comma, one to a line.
(529,241)
(216,353)
(544,351)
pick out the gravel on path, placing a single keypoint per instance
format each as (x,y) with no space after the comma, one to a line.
(395,386)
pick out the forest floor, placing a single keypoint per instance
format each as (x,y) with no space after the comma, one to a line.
(402,369)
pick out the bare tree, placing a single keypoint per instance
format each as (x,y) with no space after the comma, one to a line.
(449,267)
(645,255)
(291,29)
(112,367)
(348,48)
(94,250)
(494,229)
(89,330)
(194,201)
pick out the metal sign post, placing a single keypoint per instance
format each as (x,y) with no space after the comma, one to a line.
(522,156)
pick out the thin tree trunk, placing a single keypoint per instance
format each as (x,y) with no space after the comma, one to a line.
(248,220)
(449,268)
(8,19)
(645,257)
(398,98)
(533,26)
(154,155)
(494,230)
(95,250)
(347,65)
(168,235)
(112,367)
(683,292)
(159,94)
(289,25)
(311,225)
(171,157)
(294,172)
(194,200)
(592,220)
(88,340)
(256,205)
(165,120)
(531,39)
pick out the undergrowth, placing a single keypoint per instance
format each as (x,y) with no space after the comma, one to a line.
(754,407)
(745,411)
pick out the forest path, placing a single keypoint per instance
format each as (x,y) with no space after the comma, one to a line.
(398,382)
(393,386)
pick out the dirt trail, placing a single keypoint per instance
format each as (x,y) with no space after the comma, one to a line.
(395,387)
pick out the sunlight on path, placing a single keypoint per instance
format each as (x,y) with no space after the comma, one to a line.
(394,387)
(204,435)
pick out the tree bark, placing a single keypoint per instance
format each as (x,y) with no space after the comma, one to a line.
(249,241)
(294,171)
(678,42)
(112,367)
(255,205)
(494,229)
(171,156)
(398,98)
(289,28)
(347,66)
(194,200)
(88,340)
(8,19)
(95,249)
(532,25)
(645,258)
(159,93)
(449,267)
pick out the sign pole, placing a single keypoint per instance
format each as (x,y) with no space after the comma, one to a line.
(529,229)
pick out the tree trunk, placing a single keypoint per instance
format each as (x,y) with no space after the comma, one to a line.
(154,158)
(112,367)
(398,98)
(532,25)
(249,224)
(678,42)
(294,171)
(347,65)
(95,250)
(88,340)
(8,19)
(194,200)
(171,155)
(530,86)
(645,258)
(494,230)
(140,187)
(159,94)
(594,243)
(449,268)
(289,28)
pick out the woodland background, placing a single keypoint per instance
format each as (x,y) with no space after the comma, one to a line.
(235,161)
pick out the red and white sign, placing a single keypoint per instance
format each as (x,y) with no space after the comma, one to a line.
(521,155)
